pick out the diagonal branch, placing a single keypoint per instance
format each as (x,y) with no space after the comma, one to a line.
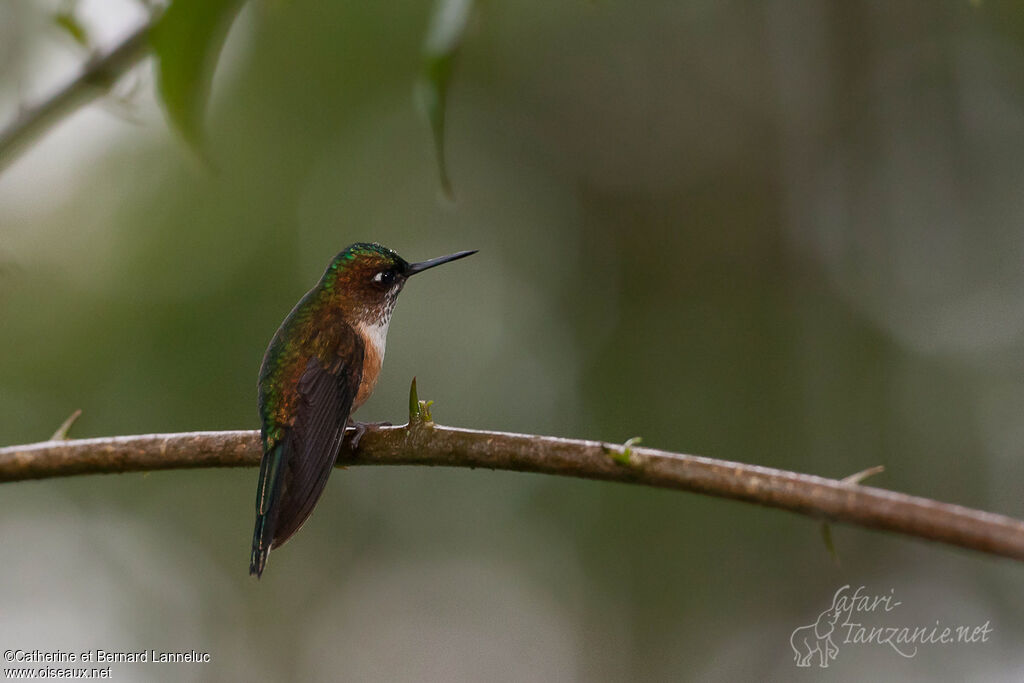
(96,77)
(424,443)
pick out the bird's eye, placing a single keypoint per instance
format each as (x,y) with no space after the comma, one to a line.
(384,278)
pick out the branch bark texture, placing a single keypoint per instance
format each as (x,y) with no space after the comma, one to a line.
(424,443)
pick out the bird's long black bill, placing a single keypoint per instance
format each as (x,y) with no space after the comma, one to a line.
(426,265)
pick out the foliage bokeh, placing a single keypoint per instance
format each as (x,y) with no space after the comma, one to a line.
(788,235)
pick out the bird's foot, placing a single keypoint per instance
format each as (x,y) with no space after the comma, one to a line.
(360,428)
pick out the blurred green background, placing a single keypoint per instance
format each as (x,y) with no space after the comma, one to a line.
(784,233)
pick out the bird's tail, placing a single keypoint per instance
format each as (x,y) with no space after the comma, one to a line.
(260,547)
(267,503)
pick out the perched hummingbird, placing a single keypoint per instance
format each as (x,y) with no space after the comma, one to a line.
(321,365)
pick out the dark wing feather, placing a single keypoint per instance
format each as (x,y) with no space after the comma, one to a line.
(326,395)
(295,470)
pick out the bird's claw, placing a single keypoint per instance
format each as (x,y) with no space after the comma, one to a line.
(359,429)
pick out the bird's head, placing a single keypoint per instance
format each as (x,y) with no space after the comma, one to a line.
(368,278)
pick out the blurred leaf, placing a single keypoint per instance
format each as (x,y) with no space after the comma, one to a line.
(187,41)
(1005,17)
(444,38)
(826,536)
(66,20)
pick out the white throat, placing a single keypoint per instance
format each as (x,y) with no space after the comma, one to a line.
(376,334)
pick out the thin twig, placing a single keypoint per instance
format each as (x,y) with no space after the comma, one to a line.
(425,443)
(96,77)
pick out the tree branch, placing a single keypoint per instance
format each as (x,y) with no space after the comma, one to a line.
(424,443)
(96,77)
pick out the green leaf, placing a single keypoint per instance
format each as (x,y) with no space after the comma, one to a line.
(625,456)
(67,21)
(444,37)
(187,41)
(419,411)
(414,403)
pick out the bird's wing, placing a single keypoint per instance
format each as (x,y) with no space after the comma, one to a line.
(295,468)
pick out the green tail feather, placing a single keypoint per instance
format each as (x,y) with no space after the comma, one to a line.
(267,499)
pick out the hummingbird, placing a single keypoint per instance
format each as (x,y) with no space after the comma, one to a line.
(320,367)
